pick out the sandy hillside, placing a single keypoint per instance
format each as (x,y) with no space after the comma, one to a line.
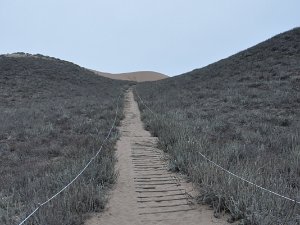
(140,76)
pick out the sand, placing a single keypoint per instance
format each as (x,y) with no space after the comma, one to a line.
(140,76)
(146,192)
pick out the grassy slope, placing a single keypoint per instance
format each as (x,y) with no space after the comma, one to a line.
(244,113)
(54,116)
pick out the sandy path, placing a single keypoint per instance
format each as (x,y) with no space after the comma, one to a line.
(146,192)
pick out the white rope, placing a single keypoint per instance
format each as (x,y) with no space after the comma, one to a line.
(144,103)
(72,181)
(227,171)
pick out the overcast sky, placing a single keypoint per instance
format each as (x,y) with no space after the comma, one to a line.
(168,36)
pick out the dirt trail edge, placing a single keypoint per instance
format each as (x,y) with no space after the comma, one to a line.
(146,192)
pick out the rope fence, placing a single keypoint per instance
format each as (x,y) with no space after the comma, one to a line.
(78,175)
(227,171)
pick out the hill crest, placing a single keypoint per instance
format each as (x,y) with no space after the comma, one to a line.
(139,76)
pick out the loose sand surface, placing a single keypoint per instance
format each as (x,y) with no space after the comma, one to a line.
(146,191)
(140,76)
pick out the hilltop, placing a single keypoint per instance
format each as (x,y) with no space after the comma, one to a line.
(243,113)
(140,76)
(272,59)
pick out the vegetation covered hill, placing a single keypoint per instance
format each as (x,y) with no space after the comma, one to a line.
(54,116)
(243,113)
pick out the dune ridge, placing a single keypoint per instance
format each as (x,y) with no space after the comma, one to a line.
(139,76)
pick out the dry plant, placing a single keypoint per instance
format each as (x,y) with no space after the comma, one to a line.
(243,113)
(54,116)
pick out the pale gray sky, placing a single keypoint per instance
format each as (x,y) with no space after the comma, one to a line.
(168,36)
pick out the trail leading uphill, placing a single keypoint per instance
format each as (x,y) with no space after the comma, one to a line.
(146,192)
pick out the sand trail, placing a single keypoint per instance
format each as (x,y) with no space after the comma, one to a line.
(146,192)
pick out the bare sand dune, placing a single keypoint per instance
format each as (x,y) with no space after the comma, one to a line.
(140,76)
